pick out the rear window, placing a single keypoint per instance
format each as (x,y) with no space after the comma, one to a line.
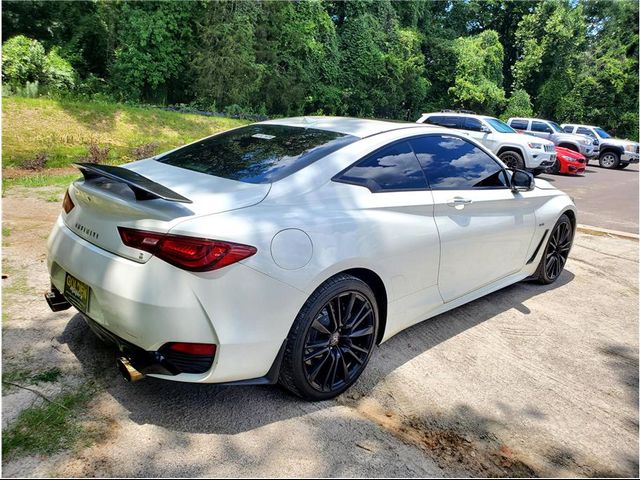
(258,153)
(519,124)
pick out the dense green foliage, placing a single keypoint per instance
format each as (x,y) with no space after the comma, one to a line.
(569,60)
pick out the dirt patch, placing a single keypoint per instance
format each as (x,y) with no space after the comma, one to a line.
(477,455)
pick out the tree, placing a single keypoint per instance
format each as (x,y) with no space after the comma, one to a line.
(518,105)
(478,73)
(153,41)
(22,60)
(224,63)
(551,39)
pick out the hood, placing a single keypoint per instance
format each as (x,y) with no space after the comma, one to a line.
(619,142)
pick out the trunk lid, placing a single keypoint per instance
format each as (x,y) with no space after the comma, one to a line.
(103,204)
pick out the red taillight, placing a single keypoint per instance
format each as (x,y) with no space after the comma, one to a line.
(204,349)
(189,253)
(67,203)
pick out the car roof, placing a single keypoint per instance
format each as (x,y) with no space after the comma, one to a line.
(579,125)
(358,127)
(532,119)
(458,114)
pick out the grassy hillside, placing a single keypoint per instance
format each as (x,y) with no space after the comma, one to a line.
(64,130)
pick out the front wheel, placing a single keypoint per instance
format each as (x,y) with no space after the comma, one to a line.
(331,339)
(609,160)
(556,252)
(512,160)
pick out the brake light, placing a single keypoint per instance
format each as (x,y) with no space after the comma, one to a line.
(189,253)
(67,203)
(204,349)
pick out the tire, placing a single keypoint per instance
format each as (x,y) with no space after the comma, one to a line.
(512,159)
(622,165)
(331,339)
(556,252)
(555,168)
(609,159)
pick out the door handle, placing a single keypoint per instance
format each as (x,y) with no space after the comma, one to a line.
(459,202)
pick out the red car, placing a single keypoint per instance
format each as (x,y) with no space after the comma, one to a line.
(569,161)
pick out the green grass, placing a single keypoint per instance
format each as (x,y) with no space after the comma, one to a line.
(64,129)
(6,231)
(47,428)
(39,180)
(26,376)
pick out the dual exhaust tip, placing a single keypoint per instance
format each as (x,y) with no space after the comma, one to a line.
(128,372)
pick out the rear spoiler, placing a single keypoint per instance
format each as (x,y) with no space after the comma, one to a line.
(142,187)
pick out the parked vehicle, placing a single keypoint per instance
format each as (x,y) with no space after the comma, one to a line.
(516,151)
(286,250)
(612,152)
(569,162)
(551,131)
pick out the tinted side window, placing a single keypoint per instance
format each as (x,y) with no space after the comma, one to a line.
(472,124)
(451,163)
(519,124)
(585,131)
(540,127)
(568,129)
(392,168)
(446,121)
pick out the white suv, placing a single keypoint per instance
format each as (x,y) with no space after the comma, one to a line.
(611,152)
(514,149)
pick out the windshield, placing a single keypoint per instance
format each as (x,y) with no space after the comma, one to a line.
(499,125)
(258,153)
(602,133)
(556,127)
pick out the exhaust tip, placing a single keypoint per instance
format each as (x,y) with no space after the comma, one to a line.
(128,372)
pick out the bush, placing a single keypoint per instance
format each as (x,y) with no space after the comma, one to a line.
(58,73)
(96,154)
(518,105)
(23,60)
(145,151)
(38,163)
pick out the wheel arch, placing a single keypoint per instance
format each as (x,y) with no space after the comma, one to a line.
(572,217)
(611,148)
(374,281)
(512,148)
(570,146)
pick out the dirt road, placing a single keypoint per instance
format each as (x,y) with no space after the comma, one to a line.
(527,381)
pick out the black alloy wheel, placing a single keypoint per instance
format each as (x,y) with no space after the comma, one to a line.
(339,342)
(555,255)
(513,160)
(331,339)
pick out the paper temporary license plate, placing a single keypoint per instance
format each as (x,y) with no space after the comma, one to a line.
(76,292)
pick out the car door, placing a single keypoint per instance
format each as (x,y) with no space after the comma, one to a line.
(480,132)
(541,129)
(485,228)
(393,225)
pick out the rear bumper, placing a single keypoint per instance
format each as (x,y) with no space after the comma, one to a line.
(246,314)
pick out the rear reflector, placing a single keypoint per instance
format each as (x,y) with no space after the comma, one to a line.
(190,253)
(67,203)
(204,349)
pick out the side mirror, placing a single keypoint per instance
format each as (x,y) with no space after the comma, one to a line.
(484,129)
(522,181)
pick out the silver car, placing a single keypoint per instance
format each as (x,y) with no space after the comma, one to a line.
(552,131)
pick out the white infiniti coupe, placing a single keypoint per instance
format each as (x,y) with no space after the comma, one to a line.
(284,251)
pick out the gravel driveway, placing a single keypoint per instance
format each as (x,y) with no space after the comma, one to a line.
(529,381)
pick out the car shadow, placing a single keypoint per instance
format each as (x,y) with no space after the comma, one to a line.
(206,408)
